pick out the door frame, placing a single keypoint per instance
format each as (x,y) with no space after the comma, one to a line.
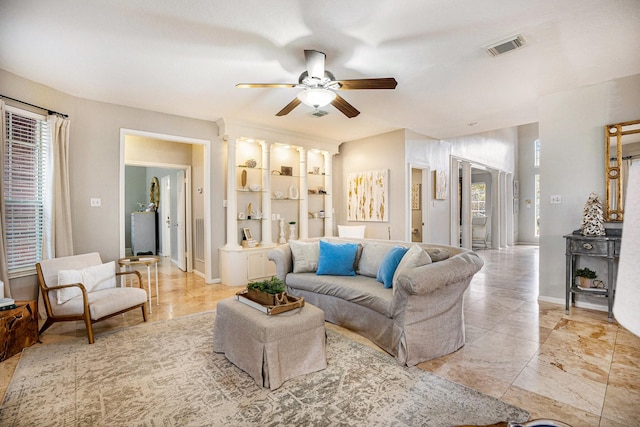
(426,196)
(165,208)
(207,191)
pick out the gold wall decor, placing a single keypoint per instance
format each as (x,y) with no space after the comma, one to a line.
(440,184)
(622,147)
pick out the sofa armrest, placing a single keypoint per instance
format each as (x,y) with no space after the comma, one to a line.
(281,256)
(428,278)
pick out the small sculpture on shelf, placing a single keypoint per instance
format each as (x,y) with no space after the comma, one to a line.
(292,230)
(593,217)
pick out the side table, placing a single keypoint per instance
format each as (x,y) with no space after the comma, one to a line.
(607,247)
(18,328)
(128,263)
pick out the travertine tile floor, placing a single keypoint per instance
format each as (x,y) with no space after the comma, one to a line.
(577,368)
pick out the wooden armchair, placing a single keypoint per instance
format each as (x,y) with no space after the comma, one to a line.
(89,291)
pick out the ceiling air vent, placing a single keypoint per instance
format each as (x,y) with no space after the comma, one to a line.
(504,46)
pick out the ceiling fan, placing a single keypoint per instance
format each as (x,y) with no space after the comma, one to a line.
(320,84)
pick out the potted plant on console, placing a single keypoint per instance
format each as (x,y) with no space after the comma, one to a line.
(586,277)
(268,292)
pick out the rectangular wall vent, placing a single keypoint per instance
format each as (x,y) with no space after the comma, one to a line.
(504,46)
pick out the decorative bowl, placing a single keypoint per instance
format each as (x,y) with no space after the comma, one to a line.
(278,195)
(255,187)
(251,163)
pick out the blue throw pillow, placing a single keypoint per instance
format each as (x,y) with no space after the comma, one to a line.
(389,264)
(336,259)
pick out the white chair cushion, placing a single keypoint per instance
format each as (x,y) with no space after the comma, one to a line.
(93,278)
(103,302)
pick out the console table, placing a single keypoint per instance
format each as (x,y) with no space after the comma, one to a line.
(592,246)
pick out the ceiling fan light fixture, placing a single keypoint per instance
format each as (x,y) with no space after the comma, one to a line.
(316,97)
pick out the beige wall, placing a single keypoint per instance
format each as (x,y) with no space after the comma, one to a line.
(95,162)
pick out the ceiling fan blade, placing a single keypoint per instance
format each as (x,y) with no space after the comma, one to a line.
(315,63)
(344,107)
(258,85)
(290,106)
(382,83)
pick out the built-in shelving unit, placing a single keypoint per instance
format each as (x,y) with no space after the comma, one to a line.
(273,178)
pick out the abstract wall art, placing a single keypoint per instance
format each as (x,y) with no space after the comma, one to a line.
(368,195)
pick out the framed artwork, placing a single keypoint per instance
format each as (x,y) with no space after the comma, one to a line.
(440,183)
(368,195)
(247,234)
(416,195)
(286,170)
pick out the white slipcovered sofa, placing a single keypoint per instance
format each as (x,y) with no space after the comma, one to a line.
(417,317)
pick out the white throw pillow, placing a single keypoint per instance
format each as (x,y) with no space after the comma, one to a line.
(93,278)
(305,256)
(415,257)
(371,259)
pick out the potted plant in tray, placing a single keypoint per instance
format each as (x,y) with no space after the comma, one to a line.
(268,292)
(586,277)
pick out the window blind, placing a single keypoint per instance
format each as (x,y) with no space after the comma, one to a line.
(26,150)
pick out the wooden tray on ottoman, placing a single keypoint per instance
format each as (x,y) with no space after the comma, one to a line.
(294,302)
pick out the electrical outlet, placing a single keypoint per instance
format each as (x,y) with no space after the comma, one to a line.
(96,202)
(556,199)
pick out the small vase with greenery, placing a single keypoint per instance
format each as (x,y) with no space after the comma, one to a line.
(586,277)
(269,292)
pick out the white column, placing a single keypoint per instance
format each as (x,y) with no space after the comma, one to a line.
(303,211)
(503,209)
(232,196)
(510,214)
(495,209)
(466,205)
(267,238)
(328,197)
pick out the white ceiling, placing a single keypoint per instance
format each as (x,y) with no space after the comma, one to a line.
(185,57)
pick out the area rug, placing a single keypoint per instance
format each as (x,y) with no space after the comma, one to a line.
(166,374)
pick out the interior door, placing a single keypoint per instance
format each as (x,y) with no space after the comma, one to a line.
(181,220)
(165,215)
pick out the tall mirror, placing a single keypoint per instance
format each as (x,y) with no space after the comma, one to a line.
(622,148)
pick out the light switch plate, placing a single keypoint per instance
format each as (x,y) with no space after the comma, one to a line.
(96,202)
(556,199)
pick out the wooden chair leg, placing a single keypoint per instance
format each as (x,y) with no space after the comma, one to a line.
(144,312)
(87,322)
(46,325)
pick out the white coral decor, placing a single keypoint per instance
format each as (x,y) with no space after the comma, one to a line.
(593,219)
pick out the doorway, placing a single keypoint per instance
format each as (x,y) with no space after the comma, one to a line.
(419,187)
(159,151)
(165,216)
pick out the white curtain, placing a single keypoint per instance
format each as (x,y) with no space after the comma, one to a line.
(5,291)
(59,242)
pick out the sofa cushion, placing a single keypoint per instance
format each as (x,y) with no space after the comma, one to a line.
(305,256)
(371,259)
(337,258)
(389,264)
(415,257)
(361,290)
(93,278)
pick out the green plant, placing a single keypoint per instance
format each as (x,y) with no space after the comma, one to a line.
(585,272)
(292,222)
(270,286)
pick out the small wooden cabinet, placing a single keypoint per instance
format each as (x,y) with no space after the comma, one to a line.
(18,328)
(241,266)
(607,247)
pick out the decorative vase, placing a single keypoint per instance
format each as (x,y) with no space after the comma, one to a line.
(585,282)
(292,232)
(282,238)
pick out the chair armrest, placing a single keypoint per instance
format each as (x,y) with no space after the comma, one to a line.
(281,256)
(134,272)
(69,285)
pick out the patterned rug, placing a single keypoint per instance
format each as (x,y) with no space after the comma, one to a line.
(166,374)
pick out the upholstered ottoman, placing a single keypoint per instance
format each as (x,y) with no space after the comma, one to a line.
(271,349)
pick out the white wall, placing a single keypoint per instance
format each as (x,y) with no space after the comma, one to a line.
(94,164)
(572,164)
(527,134)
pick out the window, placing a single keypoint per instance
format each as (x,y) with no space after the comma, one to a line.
(478,199)
(26,150)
